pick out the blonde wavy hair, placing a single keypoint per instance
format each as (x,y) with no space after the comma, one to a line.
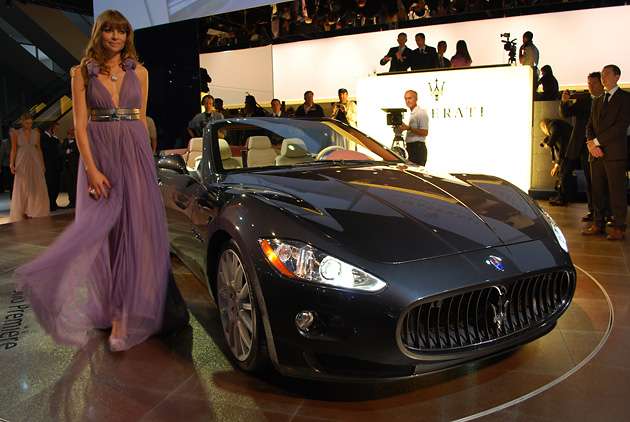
(108,19)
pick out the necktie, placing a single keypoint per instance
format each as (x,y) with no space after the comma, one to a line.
(605,102)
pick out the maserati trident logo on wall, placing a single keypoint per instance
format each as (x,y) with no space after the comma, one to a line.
(437,91)
(495,261)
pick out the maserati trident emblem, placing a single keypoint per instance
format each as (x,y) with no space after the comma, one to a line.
(500,310)
(495,261)
(437,91)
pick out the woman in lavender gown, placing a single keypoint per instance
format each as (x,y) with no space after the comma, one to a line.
(111,267)
(30,196)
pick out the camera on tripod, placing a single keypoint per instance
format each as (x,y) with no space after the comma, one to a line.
(510,46)
(394,116)
(395,120)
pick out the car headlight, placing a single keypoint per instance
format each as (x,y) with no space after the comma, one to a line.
(556,230)
(299,260)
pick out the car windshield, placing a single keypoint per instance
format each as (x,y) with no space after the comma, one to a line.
(263,142)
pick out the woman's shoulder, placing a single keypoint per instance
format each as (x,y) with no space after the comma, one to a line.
(141,70)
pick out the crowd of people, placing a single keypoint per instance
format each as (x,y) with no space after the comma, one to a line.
(599,142)
(402,58)
(34,164)
(265,23)
(345,110)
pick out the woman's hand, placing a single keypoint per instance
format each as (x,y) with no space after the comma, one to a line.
(13,170)
(97,184)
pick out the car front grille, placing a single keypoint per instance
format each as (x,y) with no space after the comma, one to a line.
(488,315)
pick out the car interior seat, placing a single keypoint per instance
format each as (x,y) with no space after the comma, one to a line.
(227,160)
(194,152)
(293,151)
(260,152)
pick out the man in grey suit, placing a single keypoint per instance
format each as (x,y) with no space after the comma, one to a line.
(606,134)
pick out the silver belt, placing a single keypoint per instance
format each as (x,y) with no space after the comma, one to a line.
(115,114)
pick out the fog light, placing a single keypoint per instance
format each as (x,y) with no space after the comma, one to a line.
(304,321)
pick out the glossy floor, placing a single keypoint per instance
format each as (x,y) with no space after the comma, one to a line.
(577,372)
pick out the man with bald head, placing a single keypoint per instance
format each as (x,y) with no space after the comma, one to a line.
(417,130)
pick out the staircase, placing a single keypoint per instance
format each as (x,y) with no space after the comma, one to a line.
(38,47)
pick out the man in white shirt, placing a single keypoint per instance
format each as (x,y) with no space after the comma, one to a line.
(345,110)
(417,130)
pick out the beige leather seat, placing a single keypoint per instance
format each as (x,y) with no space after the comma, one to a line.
(194,152)
(227,160)
(293,151)
(260,152)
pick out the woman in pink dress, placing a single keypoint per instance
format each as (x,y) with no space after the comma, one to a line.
(30,195)
(462,56)
(110,268)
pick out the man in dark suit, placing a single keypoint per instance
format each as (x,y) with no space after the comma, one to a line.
(581,110)
(52,161)
(606,133)
(424,57)
(276,109)
(70,153)
(442,61)
(398,57)
(558,139)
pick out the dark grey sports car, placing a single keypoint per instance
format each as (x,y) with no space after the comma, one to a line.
(330,256)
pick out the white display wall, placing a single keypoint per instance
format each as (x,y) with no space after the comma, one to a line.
(471,129)
(240,72)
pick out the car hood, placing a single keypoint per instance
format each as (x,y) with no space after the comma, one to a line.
(399,213)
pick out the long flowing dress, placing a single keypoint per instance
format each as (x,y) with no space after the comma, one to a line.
(30,195)
(113,260)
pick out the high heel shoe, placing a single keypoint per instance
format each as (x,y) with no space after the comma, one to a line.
(117,344)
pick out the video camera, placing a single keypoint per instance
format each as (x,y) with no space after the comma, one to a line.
(394,116)
(509,45)
(395,120)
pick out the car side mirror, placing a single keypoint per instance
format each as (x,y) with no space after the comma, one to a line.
(174,162)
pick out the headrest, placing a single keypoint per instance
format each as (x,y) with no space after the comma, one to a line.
(224,147)
(293,147)
(258,142)
(195,144)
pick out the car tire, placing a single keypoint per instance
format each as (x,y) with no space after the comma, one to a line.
(238,309)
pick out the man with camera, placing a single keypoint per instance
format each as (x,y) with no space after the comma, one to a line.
(558,135)
(417,130)
(345,110)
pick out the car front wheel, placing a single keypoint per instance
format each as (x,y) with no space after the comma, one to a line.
(238,309)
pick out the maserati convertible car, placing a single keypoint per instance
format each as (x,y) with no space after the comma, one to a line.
(330,256)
